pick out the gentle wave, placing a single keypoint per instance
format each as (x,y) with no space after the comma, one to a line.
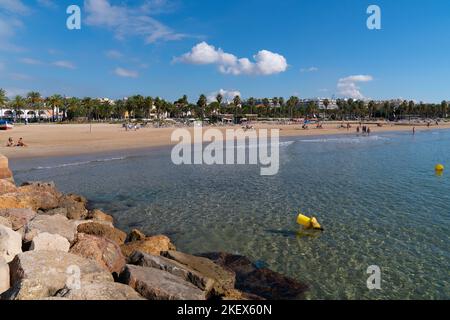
(80,163)
(346,140)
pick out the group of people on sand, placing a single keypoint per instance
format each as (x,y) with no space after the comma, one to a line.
(364,129)
(19,143)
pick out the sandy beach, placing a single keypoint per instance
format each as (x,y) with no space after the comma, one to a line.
(46,140)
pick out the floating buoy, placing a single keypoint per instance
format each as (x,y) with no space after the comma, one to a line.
(308,223)
(439,168)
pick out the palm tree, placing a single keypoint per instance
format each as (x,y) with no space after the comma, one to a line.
(219,98)
(292,103)
(3,100)
(251,102)
(237,103)
(55,102)
(17,104)
(326,103)
(444,108)
(34,100)
(201,104)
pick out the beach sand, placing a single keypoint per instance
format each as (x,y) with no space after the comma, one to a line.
(46,140)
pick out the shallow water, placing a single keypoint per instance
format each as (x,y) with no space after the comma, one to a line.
(378,199)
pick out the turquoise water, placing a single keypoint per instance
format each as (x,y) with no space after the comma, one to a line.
(378,199)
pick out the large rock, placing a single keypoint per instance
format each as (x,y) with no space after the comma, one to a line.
(18,217)
(56,224)
(41,274)
(5,173)
(39,186)
(223,279)
(76,210)
(10,243)
(5,222)
(101,230)
(151,245)
(261,282)
(177,269)
(105,252)
(135,235)
(101,291)
(60,211)
(46,242)
(7,186)
(155,284)
(4,275)
(98,215)
(36,200)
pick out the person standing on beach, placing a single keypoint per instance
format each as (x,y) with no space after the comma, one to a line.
(368,131)
(414,130)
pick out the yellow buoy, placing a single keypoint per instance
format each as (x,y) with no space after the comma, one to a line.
(308,223)
(439,167)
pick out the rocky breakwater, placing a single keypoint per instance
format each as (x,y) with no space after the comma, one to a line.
(52,247)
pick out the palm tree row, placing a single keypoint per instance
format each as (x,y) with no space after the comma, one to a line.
(145,107)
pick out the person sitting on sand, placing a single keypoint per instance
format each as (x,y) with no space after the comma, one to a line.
(10,142)
(20,143)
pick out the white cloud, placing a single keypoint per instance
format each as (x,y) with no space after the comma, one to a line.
(12,92)
(121,72)
(64,64)
(31,61)
(126,21)
(19,76)
(228,95)
(47,3)
(266,62)
(114,54)
(348,87)
(14,6)
(310,69)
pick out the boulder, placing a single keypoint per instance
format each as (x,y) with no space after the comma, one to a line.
(60,211)
(98,215)
(76,210)
(223,279)
(105,252)
(151,245)
(10,243)
(101,230)
(5,222)
(77,198)
(56,224)
(5,173)
(155,284)
(177,269)
(135,235)
(4,275)
(18,217)
(41,274)
(36,200)
(261,282)
(234,295)
(6,186)
(80,222)
(33,186)
(46,242)
(101,291)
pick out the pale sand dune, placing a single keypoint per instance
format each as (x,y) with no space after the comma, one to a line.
(75,139)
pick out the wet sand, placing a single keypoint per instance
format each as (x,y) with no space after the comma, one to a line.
(47,140)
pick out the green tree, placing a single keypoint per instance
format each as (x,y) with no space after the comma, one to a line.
(3,100)
(34,101)
(18,103)
(55,102)
(201,105)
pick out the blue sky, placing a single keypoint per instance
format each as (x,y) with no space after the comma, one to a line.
(259,48)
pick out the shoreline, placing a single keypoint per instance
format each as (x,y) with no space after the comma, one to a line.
(56,140)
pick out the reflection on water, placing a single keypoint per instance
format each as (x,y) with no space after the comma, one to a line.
(377,197)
